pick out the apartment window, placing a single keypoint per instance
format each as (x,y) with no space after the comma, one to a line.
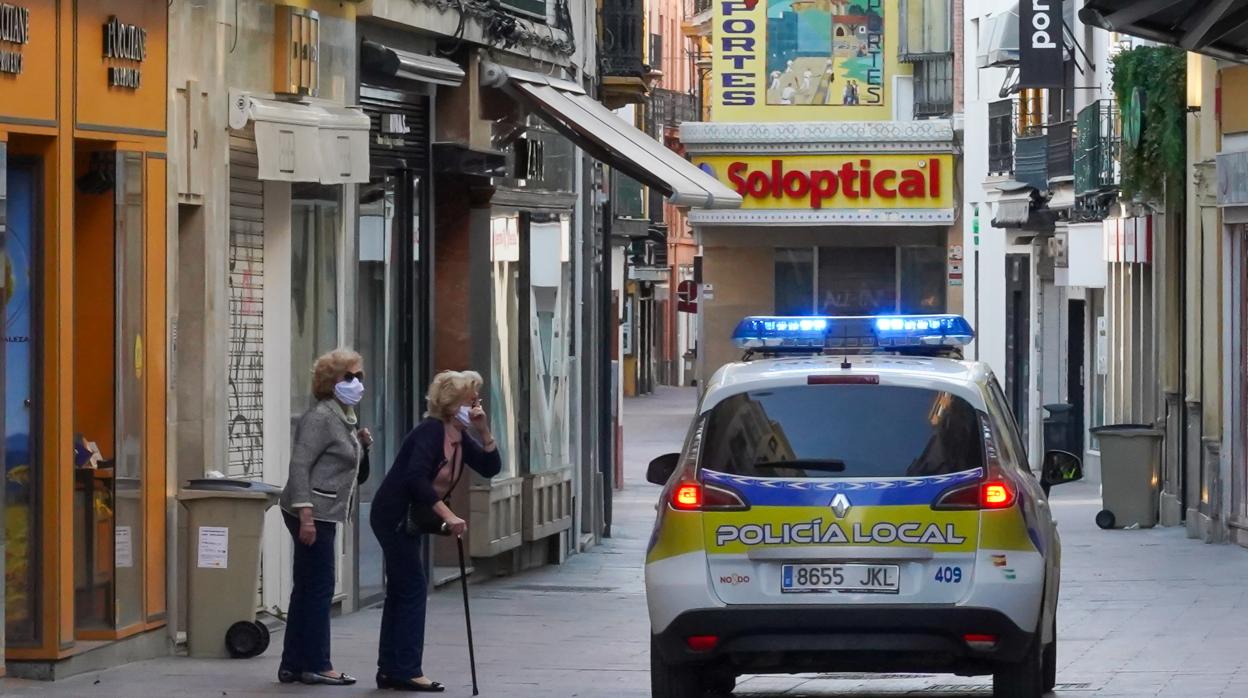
(933,87)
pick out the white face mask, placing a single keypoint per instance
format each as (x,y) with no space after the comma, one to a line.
(349,392)
(464,415)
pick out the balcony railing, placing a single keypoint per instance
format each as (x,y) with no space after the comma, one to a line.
(623,38)
(700,6)
(1061,156)
(1031,160)
(669,108)
(1096,149)
(1001,137)
(933,86)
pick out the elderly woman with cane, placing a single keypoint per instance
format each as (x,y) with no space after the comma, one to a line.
(328,457)
(412,501)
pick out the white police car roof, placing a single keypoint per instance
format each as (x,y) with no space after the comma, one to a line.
(937,373)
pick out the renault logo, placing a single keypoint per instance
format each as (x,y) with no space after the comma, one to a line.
(840,505)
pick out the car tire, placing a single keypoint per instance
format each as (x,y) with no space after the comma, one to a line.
(1021,679)
(1050,660)
(673,681)
(1105,519)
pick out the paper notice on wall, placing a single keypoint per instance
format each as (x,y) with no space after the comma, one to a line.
(123,547)
(214,547)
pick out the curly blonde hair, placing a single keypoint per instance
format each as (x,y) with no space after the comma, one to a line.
(448,390)
(330,368)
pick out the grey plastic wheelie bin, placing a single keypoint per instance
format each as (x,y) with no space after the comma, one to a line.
(225,522)
(1130,475)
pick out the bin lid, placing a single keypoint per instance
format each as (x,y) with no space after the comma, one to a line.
(229,485)
(1059,407)
(1126,430)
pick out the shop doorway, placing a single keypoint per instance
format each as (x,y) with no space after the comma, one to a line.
(1018,337)
(20,299)
(392,336)
(1076,341)
(109,401)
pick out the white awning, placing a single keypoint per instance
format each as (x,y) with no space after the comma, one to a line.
(610,139)
(301,142)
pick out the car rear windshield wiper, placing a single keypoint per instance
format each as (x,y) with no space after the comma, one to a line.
(832,466)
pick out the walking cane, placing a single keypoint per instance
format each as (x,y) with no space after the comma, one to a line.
(463,581)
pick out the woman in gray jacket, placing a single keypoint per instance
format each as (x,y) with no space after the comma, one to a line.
(325,466)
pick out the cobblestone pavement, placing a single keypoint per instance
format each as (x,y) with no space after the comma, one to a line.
(1144,613)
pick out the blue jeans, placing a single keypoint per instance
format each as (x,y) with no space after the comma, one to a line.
(402,645)
(306,645)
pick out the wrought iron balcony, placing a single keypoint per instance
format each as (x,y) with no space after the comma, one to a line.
(622,26)
(669,108)
(1031,160)
(933,86)
(1001,137)
(1061,155)
(1097,168)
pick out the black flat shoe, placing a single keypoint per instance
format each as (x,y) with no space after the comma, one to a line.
(311,678)
(410,685)
(287,676)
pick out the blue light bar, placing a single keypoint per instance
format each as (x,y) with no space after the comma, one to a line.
(882,332)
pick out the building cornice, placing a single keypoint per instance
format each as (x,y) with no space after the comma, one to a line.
(933,135)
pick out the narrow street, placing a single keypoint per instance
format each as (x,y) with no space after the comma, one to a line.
(1130,601)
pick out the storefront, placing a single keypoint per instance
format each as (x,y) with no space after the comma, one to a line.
(269,156)
(82,252)
(841,219)
(399,83)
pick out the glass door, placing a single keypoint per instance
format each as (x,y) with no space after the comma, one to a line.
(390,334)
(127,548)
(19,363)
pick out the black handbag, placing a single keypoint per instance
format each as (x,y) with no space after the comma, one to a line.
(421,519)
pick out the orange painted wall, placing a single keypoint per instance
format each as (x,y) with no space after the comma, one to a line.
(155,374)
(98,104)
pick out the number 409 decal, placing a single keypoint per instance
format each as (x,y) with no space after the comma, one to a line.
(949,575)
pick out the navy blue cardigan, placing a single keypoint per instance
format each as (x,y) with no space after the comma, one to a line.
(411,476)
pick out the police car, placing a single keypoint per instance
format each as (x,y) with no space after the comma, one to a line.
(853,497)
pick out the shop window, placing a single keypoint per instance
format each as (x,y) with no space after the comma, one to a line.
(503,382)
(314,225)
(795,281)
(550,279)
(19,308)
(922,285)
(857,280)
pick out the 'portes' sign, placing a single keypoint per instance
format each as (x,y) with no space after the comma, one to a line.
(1041,45)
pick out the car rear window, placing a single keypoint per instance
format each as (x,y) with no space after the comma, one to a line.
(842,431)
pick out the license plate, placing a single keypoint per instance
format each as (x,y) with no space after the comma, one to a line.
(877,579)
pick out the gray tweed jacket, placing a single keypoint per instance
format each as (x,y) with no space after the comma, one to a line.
(324,460)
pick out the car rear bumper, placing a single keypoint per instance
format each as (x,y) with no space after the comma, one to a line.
(794,639)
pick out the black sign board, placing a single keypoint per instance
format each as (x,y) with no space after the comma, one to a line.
(1041,46)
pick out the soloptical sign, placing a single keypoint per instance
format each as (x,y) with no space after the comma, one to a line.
(793,60)
(876,181)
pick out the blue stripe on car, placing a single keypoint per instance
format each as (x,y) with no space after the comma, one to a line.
(815,492)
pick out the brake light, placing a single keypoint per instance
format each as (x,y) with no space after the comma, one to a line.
(688,497)
(850,379)
(996,495)
(980,641)
(694,496)
(702,643)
